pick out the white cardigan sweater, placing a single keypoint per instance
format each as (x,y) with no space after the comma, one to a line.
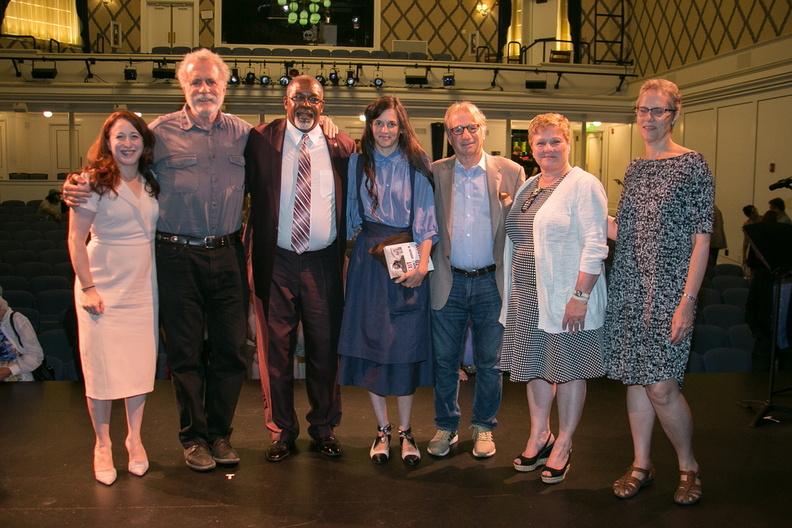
(569,235)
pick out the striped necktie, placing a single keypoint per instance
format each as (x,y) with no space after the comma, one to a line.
(301,221)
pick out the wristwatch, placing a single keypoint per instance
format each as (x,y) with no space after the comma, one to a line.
(579,295)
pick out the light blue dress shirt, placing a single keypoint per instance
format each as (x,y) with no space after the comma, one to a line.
(471,227)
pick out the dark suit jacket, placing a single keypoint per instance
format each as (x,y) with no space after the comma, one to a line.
(263,159)
(504,177)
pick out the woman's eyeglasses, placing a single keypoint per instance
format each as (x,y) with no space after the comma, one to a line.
(656,111)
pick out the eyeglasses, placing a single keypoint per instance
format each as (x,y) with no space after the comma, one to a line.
(302,98)
(531,198)
(472,128)
(656,111)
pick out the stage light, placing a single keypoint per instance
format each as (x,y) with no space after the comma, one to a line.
(265,79)
(535,85)
(322,80)
(350,79)
(250,78)
(160,72)
(130,74)
(234,79)
(378,81)
(333,76)
(419,79)
(448,79)
(284,80)
(44,73)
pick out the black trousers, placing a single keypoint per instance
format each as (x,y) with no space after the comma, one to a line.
(304,288)
(203,289)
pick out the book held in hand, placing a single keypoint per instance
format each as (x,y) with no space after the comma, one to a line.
(401,258)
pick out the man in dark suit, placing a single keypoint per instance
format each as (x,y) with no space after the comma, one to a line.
(297,180)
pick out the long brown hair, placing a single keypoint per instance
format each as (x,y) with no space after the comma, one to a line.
(101,166)
(408,143)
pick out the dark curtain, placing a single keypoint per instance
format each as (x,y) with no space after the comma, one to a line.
(575,16)
(504,21)
(438,138)
(82,15)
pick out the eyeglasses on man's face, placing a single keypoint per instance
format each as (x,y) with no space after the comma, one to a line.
(656,111)
(472,128)
(302,98)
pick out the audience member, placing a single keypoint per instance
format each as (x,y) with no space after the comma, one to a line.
(20,351)
(778,206)
(717,239)
(52,205)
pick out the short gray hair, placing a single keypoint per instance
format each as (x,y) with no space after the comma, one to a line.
(466,106)
(199,55)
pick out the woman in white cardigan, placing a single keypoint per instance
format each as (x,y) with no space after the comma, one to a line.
(554,294)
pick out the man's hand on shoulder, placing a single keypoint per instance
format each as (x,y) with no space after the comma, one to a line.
(76,190)
(329,128)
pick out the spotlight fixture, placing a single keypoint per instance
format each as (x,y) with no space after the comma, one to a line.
(448,79)
(350,79)
(378,81)
(419,77)
(321,79)
(265,79)
(250,78)
(284,80)
(162,72)
(234,79)
(333,76)
(535,85)
(130,73)
(44,73)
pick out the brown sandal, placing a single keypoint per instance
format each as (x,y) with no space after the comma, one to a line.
(628,486)
(688,491)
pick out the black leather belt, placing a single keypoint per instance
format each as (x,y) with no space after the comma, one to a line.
(207,242)
(474,273)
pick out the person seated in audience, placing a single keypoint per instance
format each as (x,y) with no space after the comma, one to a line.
(20,351)
(52,206)
(751,217)
(779,208)
(717,239)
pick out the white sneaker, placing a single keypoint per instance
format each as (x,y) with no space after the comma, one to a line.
(483,443)
(440,444)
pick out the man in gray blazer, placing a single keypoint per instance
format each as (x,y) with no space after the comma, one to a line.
(473,195)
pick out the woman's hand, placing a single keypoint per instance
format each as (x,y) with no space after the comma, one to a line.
(683,320)
(412,279)
(92,302)
(574,316)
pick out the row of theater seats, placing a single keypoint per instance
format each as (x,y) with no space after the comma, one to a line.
(303,52)
(37,277)
(722,342)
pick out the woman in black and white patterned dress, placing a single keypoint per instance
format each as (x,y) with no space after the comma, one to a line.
(554,294)
(662,231)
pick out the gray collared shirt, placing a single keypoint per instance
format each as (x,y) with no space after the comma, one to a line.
(201,173)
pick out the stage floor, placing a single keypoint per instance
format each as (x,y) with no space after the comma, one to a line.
(46,478)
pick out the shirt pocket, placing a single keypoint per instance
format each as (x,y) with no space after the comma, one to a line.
(182,177)
(326,184)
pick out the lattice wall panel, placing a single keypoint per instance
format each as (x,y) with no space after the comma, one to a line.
(444,24)
(126,13)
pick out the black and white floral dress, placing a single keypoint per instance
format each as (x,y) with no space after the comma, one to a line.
(664,203)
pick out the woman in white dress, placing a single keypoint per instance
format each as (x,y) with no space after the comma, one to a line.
(115,287)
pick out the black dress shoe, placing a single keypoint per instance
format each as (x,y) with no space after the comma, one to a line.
(278,450)
(328,446)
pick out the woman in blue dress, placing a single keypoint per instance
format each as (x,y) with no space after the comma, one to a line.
(385,343)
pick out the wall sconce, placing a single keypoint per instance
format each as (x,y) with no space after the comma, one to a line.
(482,8)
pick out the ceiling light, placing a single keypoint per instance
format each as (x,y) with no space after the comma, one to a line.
(265,79)
(250,78)
(139,114)
(234,79)
(362,117)
(322,80)
(47,114)
(350,78)
(284,80)
(333,76)
(378,81)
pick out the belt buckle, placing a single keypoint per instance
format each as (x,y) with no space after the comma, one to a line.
(209,241)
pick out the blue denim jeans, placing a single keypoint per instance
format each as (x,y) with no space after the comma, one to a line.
(475,299)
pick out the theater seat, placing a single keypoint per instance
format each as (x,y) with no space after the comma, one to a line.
(727,359)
